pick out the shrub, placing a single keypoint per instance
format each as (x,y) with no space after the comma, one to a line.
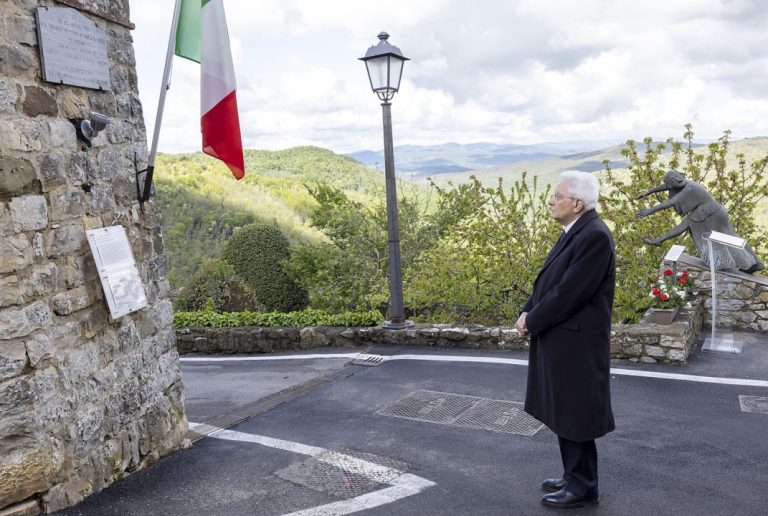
(307,317)
(216,282)
(257,252)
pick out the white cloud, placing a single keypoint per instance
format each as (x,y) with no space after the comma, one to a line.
(499,71)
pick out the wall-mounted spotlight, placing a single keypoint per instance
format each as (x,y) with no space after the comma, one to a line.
(88,128)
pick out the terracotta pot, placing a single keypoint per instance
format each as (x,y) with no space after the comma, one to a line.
(665,315)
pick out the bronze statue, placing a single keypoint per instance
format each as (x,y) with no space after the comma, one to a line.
(701,215)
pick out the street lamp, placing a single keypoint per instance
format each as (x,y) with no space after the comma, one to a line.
(384,63)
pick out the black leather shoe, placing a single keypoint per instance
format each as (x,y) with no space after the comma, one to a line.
(553,485)
(564,499)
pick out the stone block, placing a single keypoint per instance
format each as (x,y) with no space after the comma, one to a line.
(101,199)
(29,508)
(667,341)
(39,101)
(24,473)
(39,349)
(61,134)
(112,162)
(676,355)
(17,176)
(10,291)
(6,226)
(13,324)
(39,280)
(309,338)
(29,212)
(654,351)
(13,359)
(67,205)
(68,239)
(8,97)
(20,136)
(66,303)
(14,61)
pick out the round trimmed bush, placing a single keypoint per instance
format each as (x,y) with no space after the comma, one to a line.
(257,252)
(216,282)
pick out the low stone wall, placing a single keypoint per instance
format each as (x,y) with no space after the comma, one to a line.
(644,342)
(268,340)
(742,299)
(649,342)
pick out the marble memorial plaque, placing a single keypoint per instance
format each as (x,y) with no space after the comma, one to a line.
(119,275)
(73,49)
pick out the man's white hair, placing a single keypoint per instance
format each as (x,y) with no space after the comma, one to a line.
(582,185)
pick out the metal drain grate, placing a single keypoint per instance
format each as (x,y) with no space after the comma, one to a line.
(753,404)
(464,411)
(367,359)
(500,416)
(344,473)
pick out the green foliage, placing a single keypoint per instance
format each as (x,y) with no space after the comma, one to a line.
(350,272)
(202,205)
(217,287)
(307,317)
(483,267)
(257,253)
(739,190)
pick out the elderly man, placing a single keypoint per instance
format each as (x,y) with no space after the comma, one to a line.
(568,317)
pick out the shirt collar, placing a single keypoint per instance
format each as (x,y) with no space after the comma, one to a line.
(569,226)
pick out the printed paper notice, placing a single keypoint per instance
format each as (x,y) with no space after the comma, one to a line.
(119,275)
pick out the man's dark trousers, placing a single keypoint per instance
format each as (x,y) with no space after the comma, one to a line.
(579,466)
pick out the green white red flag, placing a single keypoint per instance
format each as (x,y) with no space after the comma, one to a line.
(202,36)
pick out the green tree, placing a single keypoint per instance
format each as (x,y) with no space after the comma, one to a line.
(485,263)
(257,252)
(216,282)
(738,189)
(351,270)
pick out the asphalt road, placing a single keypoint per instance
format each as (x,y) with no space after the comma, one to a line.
(683,445)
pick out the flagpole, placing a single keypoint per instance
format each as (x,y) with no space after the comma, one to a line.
(166,84)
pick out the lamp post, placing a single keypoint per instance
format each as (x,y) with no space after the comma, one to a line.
(384,63)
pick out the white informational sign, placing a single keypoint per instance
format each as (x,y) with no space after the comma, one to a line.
(674,253)
(722,238)
(73,49)
(119,276)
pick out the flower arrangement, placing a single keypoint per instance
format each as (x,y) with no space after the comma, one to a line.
(673,290)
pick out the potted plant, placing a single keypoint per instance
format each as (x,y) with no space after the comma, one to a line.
(672,291)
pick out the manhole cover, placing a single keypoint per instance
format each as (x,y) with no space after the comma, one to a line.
(753,404)
(437,407)
(344,473)
(500,416)
(464,411)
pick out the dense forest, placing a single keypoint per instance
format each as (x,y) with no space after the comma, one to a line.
(470,248)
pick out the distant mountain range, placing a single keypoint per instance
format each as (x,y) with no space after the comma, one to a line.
(450,158)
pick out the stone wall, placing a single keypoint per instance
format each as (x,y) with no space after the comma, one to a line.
(84,400)
(645,342)
(742,299)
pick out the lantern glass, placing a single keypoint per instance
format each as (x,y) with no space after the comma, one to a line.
(378,72)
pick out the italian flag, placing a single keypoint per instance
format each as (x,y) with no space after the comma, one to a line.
(201,35)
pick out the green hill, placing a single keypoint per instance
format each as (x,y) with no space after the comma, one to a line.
(202,204)
(548,169)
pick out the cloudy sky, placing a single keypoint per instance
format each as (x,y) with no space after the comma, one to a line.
(501,71)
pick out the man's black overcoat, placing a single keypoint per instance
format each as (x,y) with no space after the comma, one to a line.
(569,318)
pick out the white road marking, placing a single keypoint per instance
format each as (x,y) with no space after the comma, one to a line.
(493,360)
(236,358)
(401,484)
